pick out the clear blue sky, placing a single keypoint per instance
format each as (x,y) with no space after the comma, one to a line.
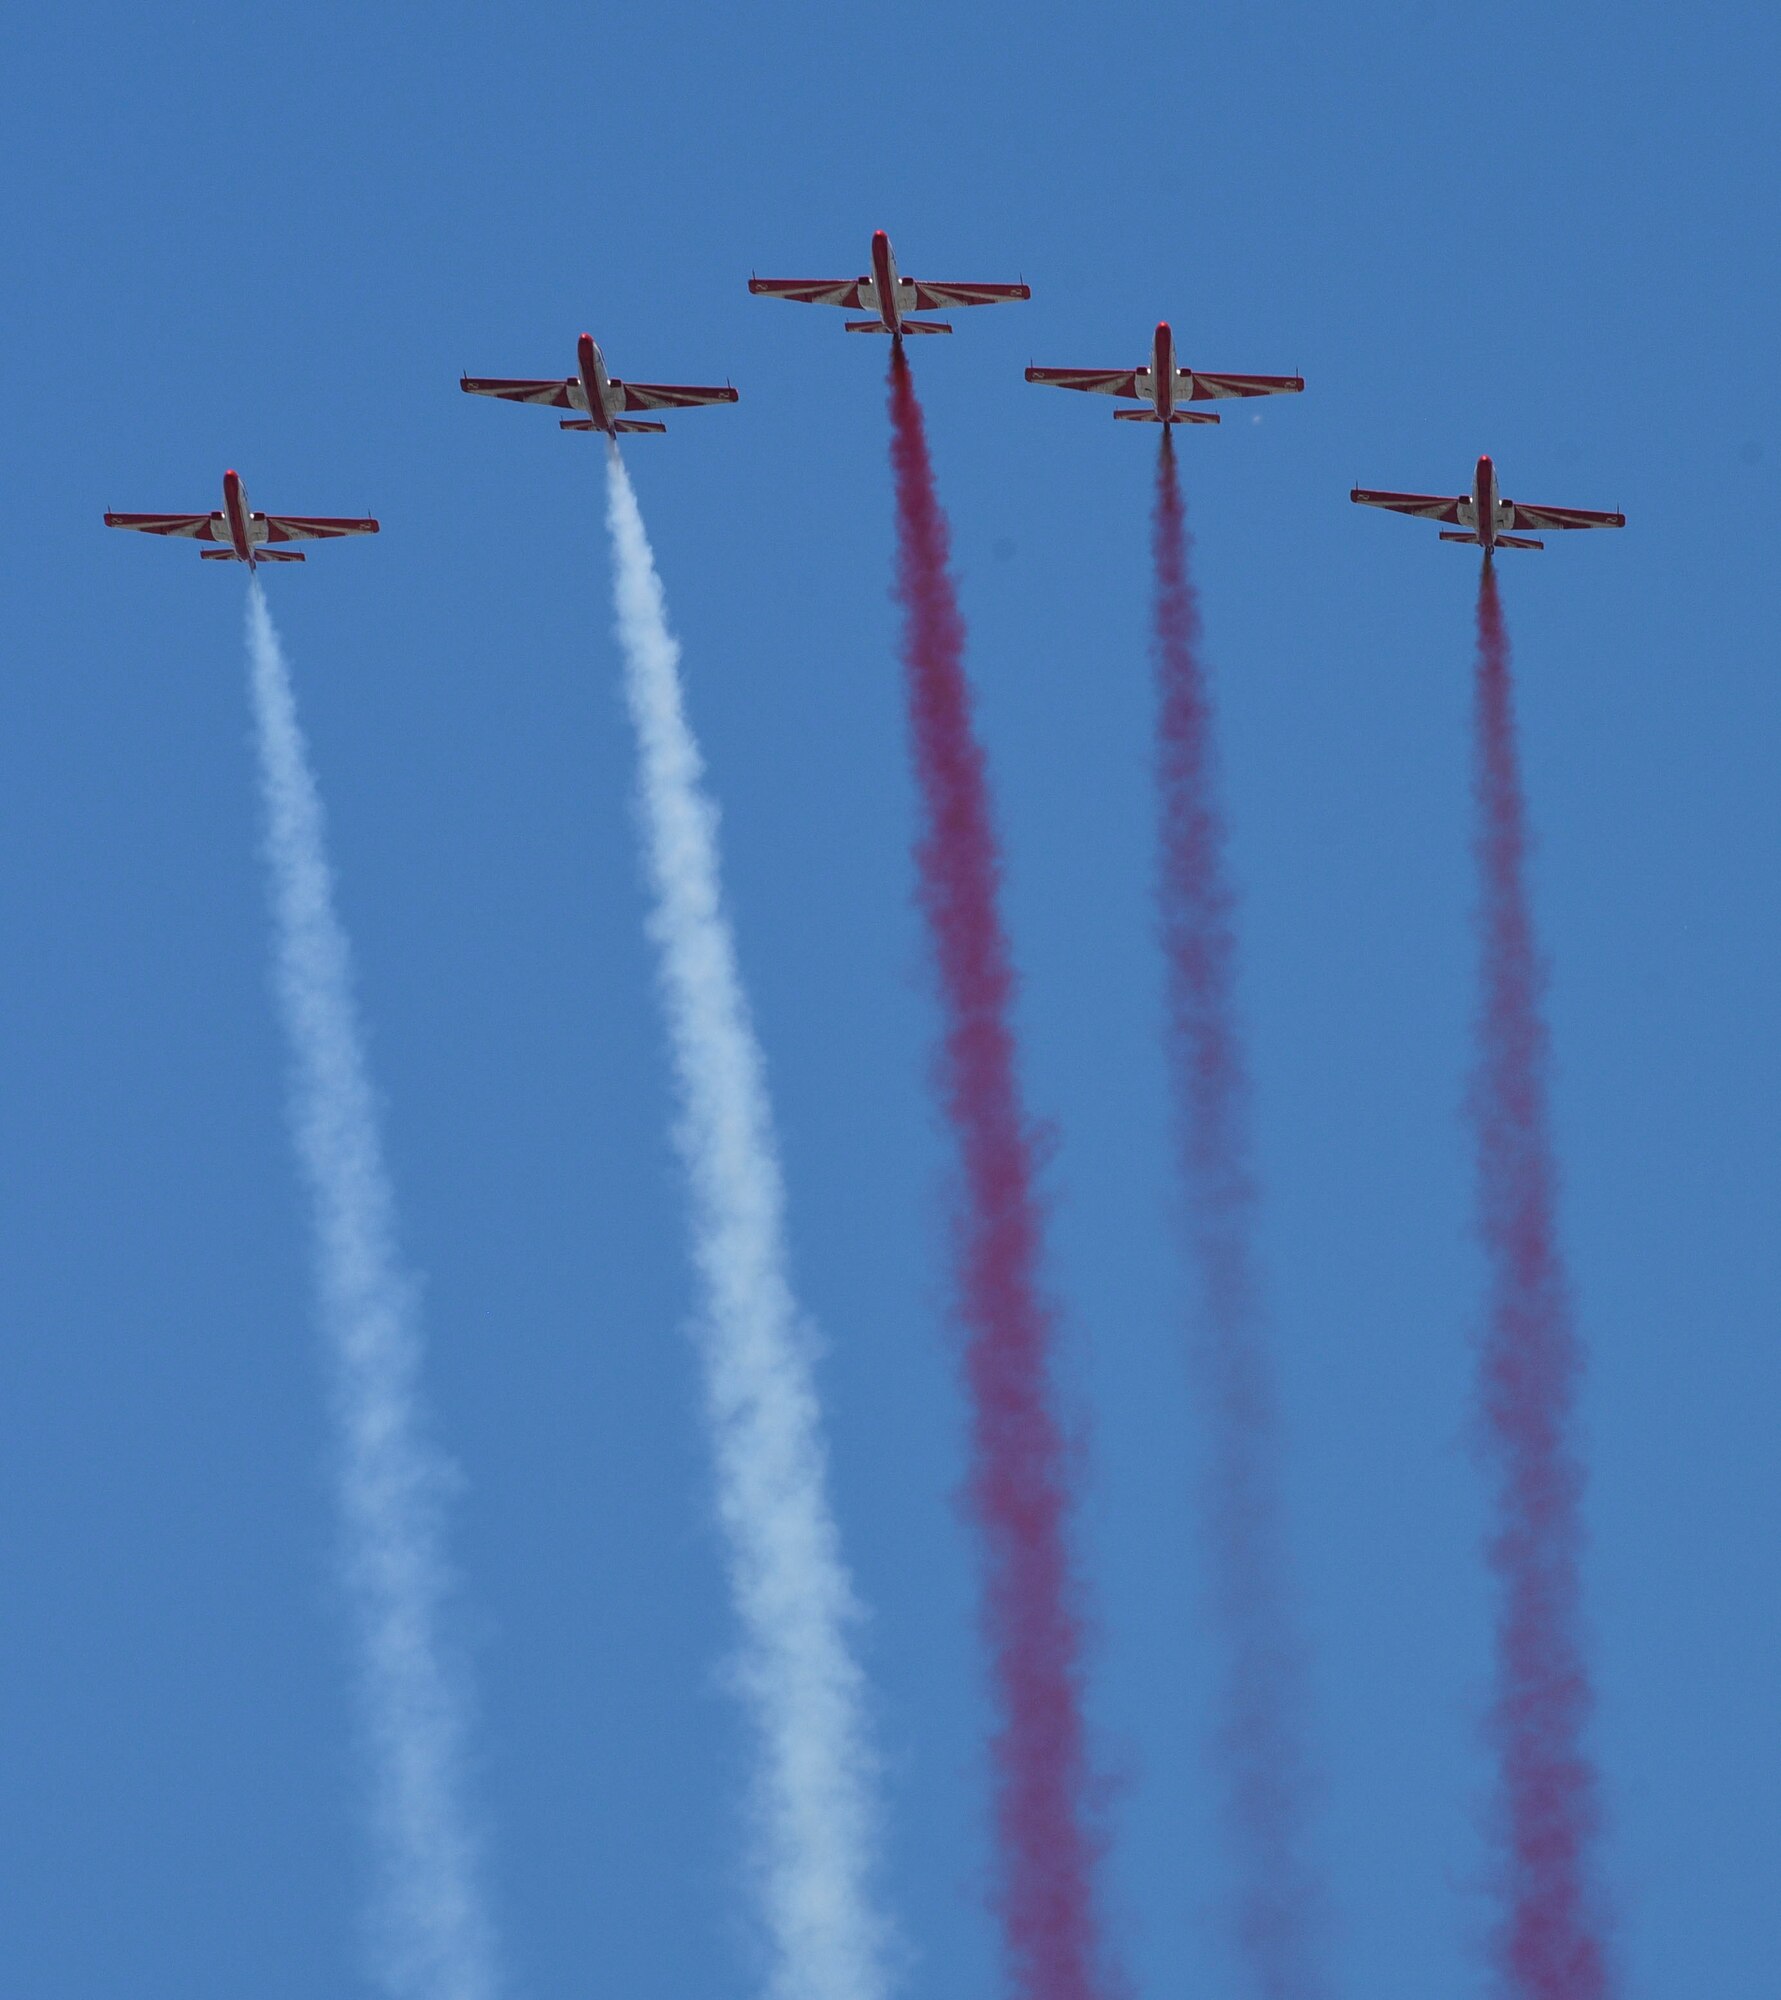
(272,239)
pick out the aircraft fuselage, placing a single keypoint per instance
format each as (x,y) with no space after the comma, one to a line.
(237,518)
(1479,513)
(591,367)
(1162,369)
(884,282)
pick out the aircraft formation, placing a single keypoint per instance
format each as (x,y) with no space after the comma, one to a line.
(1019,1485)
(602,403)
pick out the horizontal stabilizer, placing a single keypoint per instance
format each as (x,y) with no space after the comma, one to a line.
(1517,542)
(908,326)
(626,424)
(217,555)
(1175,416)
(1448,535)
(279,555)
(578,424)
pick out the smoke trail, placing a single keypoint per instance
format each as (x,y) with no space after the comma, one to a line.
(1260,1752)
(1019,1479)
(433,1931)
(1548,1942)
(792,1593)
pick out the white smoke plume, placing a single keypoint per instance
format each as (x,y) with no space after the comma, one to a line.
(816,1805)
(432,1932)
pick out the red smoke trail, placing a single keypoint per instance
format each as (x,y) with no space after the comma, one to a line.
(1019,1477)
(1259,1753)
(1548,1943)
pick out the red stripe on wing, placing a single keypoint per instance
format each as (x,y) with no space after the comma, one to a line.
(196,527)
(554,395)
(1207,387)
(315,527)
(1561,517)
(1429,506)
(1096,381)
(934,298)
(847,292)
(670,395)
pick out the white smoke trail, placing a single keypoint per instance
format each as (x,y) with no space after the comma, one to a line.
(433,1936)
(815,1793)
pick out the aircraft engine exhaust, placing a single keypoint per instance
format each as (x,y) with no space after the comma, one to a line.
(1019,1484)
(816,1799)
(1548,1942)
(1259,1750)
(432,1933)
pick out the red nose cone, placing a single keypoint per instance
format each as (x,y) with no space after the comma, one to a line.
(1162,327)
(878,236)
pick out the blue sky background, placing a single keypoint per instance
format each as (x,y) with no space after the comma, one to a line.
(273,239)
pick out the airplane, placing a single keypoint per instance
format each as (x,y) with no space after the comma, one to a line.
(1484,517)
(244,534)
(887,294)
(1164,386)
(600,395)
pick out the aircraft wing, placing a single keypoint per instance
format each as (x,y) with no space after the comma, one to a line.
(1097,381)
(854,294)
(1560,517)
(313,527)
(559,395)
(1431,506)
(196,527)
(1208,387)
(669,395)
(936,298)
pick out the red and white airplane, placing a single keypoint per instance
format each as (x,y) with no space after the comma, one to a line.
(1164,386)
(600,396)
(887,294)
(245,536)
(1484,518)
